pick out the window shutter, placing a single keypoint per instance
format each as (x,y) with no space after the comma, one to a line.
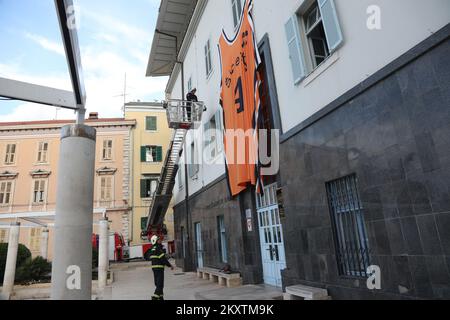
(331,23)
(295,49)
(144,154)
(159,154)
(144,189)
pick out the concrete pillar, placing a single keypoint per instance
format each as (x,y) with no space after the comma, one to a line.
(72,254)
(103,258)
(44,244)
(11,261)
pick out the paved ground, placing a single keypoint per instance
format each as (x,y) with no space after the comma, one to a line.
(134,281)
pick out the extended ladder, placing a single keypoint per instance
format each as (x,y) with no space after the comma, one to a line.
(182,117)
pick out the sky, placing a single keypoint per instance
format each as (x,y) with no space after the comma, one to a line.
(115,39)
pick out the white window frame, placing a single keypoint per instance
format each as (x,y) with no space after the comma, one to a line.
(39,193)
(34,240)
(4,235)
(236,7)
(181,176)
(43,155)
(223,239)
(10,157)
(189,84)
(152,178)
(107,151)
(195,167)
(208,59)
(3,193)
(310,47)
(101,198)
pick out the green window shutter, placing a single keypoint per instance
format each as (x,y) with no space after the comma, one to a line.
(144,189)
(295,49)
(143,154)
(331,24)
(144,223)
(151,124)
(159,154)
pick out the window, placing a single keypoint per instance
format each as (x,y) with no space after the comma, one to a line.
(5,192)
(4,236)
(213,136)
(144,223)
(183,241)
(322,33)
(42,152)
(315,33)
(222,239)
(39,191)
(237,12)
(181,176)
(106,189)
(151,154)
(193,166)
(107,150)
(151,123)
(10,156)
(352,244)
(149,184)
(208,61)
(35,239)
(189,85)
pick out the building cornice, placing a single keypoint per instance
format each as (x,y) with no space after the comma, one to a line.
(57,125)
(8,175)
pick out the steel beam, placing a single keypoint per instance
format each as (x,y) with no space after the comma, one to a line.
(24,91)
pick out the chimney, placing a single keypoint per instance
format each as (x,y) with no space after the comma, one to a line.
(93,116)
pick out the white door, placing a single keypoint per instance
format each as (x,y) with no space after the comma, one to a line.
(271,236)
(199,246)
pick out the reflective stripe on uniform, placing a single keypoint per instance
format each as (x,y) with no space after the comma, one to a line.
(158,267)
(158,257)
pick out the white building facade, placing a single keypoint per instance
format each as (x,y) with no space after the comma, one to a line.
(339,78)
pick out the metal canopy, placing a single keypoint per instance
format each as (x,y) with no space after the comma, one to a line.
(173,19)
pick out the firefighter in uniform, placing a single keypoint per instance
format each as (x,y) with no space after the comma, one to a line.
(159,262)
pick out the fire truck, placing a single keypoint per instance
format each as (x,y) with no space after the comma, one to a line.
(119,251)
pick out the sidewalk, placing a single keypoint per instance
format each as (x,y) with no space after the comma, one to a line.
(134,281)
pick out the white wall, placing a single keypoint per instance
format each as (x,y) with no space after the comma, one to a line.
(405,23)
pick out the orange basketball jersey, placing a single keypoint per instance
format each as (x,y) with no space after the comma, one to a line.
(239,98)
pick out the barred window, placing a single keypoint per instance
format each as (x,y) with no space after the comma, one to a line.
(347,213)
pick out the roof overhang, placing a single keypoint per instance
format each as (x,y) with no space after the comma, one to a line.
(173,21)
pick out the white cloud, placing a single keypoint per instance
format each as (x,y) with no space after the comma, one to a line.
(112,49)
(34,112)
(47,44)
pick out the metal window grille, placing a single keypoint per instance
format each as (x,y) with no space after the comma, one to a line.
(352,244)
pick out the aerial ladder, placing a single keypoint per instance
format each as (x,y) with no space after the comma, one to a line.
(182,116)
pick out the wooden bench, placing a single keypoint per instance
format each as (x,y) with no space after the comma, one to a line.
(230,280)
(301,292)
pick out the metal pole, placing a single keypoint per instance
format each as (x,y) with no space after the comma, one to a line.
(72,263)
(11,261)
(44,244)
(103,259)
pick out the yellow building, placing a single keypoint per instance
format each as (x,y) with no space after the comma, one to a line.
(29,155)
(150,139)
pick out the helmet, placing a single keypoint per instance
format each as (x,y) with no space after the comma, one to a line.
(154,240)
